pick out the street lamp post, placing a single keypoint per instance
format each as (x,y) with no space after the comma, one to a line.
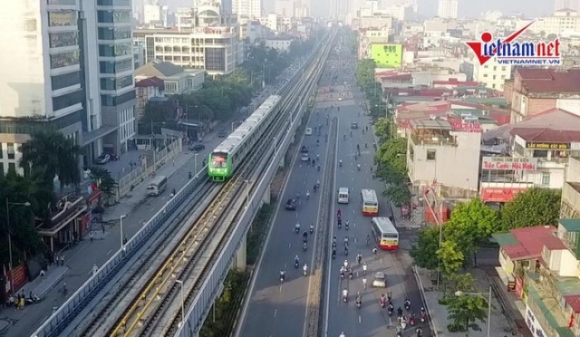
(459,293)
(121,232)
(8,204)
(195,164)
(180,282)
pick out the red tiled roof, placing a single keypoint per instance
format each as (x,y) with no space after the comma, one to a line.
(457,82)
(531,242)
(150,82)
(574,302)
(550,80)
(552,125)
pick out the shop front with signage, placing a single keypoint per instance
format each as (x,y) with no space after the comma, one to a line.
(533,324)
(501,192)
(547,146)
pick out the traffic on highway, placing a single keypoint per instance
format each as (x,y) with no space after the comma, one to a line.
(368,288)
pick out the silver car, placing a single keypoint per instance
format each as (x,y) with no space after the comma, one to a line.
(380,280)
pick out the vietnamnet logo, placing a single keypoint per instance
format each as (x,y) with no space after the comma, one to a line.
(509,51)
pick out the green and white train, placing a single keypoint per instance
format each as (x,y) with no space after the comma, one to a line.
(226,157)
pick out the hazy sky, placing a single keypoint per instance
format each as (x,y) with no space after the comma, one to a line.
(531,8)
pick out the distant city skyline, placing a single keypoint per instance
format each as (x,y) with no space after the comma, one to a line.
(467,8)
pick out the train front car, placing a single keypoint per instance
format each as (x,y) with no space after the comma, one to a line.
(219,166)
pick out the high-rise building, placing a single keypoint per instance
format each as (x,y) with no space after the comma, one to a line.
(284,8)
(567,4)
(447,9)
(70,68)
(248,9)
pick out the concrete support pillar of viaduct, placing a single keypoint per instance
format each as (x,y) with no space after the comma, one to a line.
(240,262)
(266,199)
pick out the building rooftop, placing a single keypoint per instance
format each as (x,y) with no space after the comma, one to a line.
(436,124)
(149,82)
(554,125)
(574,302)
(527,243)
(536,80)
(159,69)
(574,185)
(571,225)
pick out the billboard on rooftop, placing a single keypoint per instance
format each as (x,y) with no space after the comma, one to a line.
(387,55)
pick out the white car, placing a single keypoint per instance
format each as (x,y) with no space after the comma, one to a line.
(308,132)
(380,280)
(305,157)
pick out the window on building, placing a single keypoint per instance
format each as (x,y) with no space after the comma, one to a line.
(67,100)
(113,2)
(12,167)
(62,18)
(10,150)
(545,178)
(114,16)
(431,154)
(494,77)
(2,168)
(485,75)
(1,151)
(493,86)
(62,60)
(65,80)
(64,39)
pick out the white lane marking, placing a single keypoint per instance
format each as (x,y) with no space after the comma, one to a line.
(280,287)
(359,319)
(109,252)
(275,312)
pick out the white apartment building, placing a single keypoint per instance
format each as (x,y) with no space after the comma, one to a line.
(248,9)
(435,148)
(447,9)
(73,76)
(562,23)
(151,14)
(214,49)
(280,44)
(400,12)
(492,75)
(570,4)
(284,8)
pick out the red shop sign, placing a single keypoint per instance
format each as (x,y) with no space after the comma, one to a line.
(499,194)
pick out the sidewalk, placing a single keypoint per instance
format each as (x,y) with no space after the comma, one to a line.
(438,312)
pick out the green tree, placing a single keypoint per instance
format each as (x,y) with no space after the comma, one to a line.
(15,188)
(451,257)
(51,154)
(471,224)
(102,177)
(459,282)
(465,310)
(536,206)
(424,251)
(399,194)
(392,156)
(383,130)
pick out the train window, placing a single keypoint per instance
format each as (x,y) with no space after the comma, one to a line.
(219,160)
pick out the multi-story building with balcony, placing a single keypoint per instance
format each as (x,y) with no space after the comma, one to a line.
(543,262)
(435,148)
(492,75)
(214,49)
(535,90)
(74,74)
(563,22)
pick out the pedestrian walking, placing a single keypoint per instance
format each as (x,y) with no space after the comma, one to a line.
(62,260)
(364,281)
(375,251)
(42,274)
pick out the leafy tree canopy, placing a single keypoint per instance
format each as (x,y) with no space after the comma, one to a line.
(465,310)
(50,154)
(105,182)
(383,130)
(451,257)
(424,251)
(536,206)
(19,189)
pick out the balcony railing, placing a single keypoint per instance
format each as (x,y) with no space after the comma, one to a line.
(423,139)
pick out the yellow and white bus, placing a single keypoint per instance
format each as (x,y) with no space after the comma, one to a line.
(370,203)
(385,233)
